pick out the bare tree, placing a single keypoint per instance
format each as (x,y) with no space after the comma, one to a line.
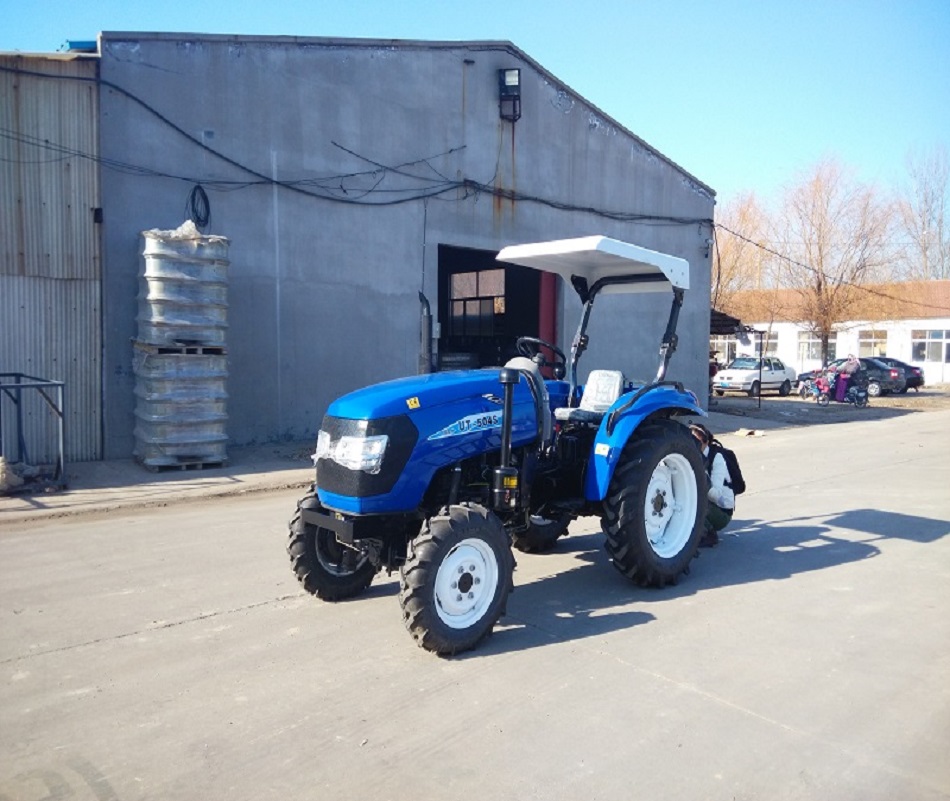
(834,238)
(740,261)
(923,216)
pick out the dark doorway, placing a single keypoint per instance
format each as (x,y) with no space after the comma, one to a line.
(484,306)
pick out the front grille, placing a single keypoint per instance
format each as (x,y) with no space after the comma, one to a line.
(340,480)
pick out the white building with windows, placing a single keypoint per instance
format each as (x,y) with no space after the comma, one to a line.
(907,321)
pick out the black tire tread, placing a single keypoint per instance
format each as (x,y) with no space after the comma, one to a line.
(418,574)
(301,548)
(541,539)
(622,505)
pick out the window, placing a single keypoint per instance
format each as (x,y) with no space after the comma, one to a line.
(930,346)
(809,346)
(724,346)
(477,303)
(872,343)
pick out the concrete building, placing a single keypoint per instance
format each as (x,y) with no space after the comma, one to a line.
(357,181)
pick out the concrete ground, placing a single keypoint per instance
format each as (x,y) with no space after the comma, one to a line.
(158,649)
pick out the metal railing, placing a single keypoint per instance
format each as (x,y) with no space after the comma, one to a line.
(12,386)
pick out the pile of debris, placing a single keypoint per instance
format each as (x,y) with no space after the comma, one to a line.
(16,478)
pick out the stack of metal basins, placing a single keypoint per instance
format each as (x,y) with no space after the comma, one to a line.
(180,354)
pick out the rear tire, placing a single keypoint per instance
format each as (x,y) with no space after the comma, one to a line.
(874,389)
(861,402)
(542,535)
(324,566)
(786,388)
(824,399)
(455,582)
(656,505)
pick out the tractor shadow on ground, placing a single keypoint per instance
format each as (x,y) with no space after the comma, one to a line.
(757,550)
(572,604)
(590,598)
(774,550)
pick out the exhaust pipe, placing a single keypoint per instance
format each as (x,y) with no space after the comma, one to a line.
(425,350)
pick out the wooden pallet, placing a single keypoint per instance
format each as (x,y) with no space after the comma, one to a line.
(181,350)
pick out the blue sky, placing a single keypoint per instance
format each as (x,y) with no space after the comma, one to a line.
(746,96)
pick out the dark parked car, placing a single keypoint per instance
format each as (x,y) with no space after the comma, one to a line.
(882,378)
(914,376)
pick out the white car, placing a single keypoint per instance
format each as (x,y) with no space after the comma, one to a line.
(745,374)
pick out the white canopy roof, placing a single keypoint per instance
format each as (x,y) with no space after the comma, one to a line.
(596,257)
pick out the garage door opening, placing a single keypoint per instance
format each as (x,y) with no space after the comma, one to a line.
(484,306)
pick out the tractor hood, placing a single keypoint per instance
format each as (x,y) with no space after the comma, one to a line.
(416,393)
(430,421)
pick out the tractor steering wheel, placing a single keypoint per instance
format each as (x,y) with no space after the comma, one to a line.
(530,348)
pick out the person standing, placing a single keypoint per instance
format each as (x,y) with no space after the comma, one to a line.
(722,500)
(845,371)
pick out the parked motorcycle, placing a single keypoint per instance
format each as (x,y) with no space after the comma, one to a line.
(856,393)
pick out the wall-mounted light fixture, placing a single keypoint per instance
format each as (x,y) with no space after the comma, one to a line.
(509,94)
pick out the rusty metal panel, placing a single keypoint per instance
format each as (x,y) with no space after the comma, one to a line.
(50,276)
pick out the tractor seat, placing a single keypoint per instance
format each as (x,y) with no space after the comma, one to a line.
(540,392)
(603,387)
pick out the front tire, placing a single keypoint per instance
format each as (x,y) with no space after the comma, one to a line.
(754,389)
(455,582)
(874,389)
(656,505)
(323,565)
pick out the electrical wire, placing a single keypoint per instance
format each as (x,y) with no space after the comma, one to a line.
(815,271)
(198,209)
(437,188)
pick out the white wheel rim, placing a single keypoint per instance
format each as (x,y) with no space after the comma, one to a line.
(465,584)
(669,512)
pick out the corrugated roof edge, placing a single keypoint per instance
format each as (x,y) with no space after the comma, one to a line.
(409,44)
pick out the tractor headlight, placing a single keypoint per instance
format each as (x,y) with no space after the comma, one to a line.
(353,453)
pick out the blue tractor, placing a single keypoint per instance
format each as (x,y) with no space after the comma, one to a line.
(438,476)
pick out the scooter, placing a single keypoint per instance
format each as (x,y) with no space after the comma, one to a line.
(856,394)
(807,389)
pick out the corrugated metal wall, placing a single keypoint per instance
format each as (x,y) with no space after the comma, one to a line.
(50,275)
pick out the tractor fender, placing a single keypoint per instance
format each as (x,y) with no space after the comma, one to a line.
(614,432)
